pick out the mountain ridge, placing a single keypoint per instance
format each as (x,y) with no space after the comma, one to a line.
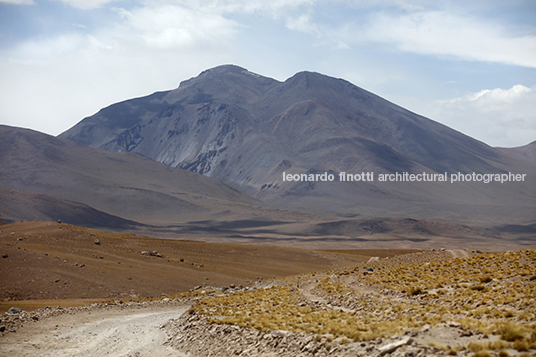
(246,130)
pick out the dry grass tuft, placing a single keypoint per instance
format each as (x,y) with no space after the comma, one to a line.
(521,345)
(510,331)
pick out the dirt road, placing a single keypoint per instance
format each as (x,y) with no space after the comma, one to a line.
(127,332)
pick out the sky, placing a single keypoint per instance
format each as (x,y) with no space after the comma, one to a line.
(470,65)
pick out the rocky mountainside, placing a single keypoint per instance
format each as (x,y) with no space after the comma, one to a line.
(246,130)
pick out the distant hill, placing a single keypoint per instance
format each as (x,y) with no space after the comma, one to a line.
(61,179)
(246,130)
(18,206)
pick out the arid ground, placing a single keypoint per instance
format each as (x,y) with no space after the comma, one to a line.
(86,292)
(50,260)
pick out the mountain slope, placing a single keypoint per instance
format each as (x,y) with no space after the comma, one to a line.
(126,185)
(524,153)
(246,130)
(22,205)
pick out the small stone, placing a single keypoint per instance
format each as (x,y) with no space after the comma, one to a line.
(390,347)
(425,328)
(96,241)
(2,328)
(280,333)
(5,255)
(373,259)
(14,310)
(454,324)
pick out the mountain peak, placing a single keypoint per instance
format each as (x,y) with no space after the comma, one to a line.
(229,73)
(225,68)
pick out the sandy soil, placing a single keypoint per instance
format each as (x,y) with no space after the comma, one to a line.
(133,331)
(49,260)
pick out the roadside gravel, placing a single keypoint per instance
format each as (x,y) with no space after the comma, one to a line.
(125,330)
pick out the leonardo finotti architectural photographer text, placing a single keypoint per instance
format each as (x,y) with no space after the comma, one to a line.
(406,177)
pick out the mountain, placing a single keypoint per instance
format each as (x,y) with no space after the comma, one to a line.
(44,177)
(524,153)
(246,130)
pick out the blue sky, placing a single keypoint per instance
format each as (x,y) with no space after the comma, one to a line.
(468,64)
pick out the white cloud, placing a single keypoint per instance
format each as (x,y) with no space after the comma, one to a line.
(272,8)
(166,27)
(86,4)
(38,51)
(303,23)
(444,33)
(170,26)
(18,2)
(499,117)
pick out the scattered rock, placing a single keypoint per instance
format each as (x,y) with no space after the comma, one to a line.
(373,259)
(390,347)
(5,255)
(96,241)
(425,328)
(14,310)
(153,253)
(2,328)
(454,324)
(280,333)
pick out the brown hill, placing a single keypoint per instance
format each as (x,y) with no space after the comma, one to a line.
(126,185)
(50,260)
